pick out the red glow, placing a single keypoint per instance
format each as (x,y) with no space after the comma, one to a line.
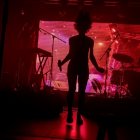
(116,41)
(113,30)
(100,43)
(100,32)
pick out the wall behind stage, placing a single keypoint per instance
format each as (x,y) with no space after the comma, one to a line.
(21,37)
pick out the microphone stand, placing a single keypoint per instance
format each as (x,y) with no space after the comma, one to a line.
(53,37)
(107,58)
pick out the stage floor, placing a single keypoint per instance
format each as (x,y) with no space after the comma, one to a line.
(56,128)
(42,116)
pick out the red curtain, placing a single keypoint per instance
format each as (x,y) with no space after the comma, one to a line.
(21,37)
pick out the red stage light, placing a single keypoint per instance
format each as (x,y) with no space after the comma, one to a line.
(113,30)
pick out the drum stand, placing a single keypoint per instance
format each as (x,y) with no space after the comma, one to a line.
(107,59)
(105,90)
(121,88)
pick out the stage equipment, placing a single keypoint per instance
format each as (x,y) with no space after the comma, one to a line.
(133,79)
(107,52)
(120,84)
(53,37)
(96,86)
(39,75)
(133,67)
(117,77)
(123,58)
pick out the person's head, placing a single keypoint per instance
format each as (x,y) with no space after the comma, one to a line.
(83,22)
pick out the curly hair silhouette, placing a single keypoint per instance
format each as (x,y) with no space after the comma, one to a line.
(83,21)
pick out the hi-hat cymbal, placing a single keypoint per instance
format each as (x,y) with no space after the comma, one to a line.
(123,58)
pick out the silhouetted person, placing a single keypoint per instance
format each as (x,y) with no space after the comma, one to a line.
(107,124)
(80,47)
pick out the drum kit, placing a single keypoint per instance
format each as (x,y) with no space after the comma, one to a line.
(118,77)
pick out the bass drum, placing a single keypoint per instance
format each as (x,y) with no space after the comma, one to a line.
(116,77)
(133,80)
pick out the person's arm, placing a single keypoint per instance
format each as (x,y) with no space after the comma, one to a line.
(60,63)
(93,60)
(67,58)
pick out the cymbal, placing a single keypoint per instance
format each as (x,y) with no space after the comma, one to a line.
(133,67)
(123,58)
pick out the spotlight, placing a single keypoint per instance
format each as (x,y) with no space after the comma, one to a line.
(113,30)
(100,43)
(116,41)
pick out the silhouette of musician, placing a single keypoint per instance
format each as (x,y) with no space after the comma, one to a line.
(80,47)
